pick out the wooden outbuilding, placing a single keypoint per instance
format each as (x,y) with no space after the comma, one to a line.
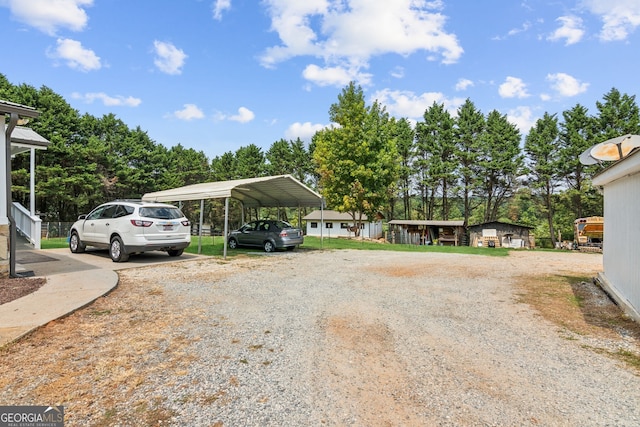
(426,232)
(500,234)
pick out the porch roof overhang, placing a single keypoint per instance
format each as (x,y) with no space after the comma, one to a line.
(24,139)
(268,191)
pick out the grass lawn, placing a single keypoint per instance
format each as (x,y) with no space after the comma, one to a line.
(213,246)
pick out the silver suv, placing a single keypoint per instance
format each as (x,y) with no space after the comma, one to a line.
(126,227)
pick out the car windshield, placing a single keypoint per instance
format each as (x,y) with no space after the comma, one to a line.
(160,212)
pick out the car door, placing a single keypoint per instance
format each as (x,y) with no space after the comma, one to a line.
(102,225)
(247,234)
(260,234)
(89,232)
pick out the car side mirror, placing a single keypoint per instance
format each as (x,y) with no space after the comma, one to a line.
(83,216)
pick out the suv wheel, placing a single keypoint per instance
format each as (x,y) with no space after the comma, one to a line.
(269,246)
(175,252)
(75,244)
(117,251)
(232,244)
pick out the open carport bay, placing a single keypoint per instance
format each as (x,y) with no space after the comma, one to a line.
(327,337)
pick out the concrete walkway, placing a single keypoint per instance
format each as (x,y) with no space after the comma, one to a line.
(73,281)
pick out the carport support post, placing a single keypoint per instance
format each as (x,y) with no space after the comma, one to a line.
(226,227)
(200,226)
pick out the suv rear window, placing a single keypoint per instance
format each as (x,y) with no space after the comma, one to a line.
(161,212)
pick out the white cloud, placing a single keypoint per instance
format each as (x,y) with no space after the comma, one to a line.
(513,87)
(50,15)
(304,131)
(619,17)
(463,84)
(169,59)
(334,76)
(525,27)
(188,113)
(397,72)
(109,101)
(408,104)
(220,6)
(353,31)
(522,117)
(566,85)
(76,56)
(244,116)
(571,30)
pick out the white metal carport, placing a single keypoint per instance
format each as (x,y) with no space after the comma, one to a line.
(268,191)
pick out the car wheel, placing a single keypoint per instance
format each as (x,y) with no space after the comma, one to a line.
(117,251)
(232,244)
(269,246)
(75,244)
(175,252)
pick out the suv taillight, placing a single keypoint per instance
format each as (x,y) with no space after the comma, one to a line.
(141,223)
(186,223)
(283,233)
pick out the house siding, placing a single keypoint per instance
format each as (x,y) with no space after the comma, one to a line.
(622,238)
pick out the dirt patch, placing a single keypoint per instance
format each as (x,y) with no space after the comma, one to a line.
(373,374)
(582,309)
(12,289)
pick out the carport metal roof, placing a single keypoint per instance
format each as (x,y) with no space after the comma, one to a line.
(268,191)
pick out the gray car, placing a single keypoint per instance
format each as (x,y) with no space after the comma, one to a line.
(267,234)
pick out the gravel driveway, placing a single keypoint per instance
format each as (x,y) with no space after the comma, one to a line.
(359,338)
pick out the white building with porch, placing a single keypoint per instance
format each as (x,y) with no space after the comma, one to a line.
(14,218)
(328,223)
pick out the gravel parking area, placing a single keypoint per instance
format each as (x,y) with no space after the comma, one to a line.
(360,338)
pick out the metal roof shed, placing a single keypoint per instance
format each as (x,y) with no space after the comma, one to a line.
(268,191)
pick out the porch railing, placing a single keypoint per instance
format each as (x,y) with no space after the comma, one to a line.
(27,225)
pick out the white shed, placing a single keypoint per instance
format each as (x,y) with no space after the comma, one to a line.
(330,223)
(620,184)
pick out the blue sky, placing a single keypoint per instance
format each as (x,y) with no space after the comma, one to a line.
(216,75)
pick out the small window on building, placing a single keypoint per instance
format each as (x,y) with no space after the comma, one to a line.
(344,225)
(328,225)
(313,225)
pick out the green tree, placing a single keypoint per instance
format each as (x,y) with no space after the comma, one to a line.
(541,146)
(279,158)
(470,126)
(223,168)
(405,140)
(357,160)
(500,162)
(435,135)
(618,115)
(250,162)
(576,135)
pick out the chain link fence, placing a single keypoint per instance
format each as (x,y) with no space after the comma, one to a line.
(51,229)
